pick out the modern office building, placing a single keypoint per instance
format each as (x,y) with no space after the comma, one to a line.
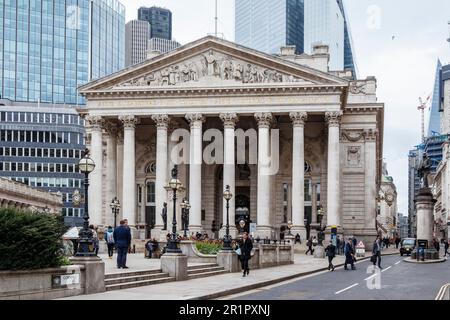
(434,121)
(40,147)
(325,24)
(349,56)
(162,45)
(160,20)
(403,226)
(267,25)
(49,47)
(137,33)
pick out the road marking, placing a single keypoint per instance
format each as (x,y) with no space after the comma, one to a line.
(372,276)
(397,262)
(386,269)
(352,286)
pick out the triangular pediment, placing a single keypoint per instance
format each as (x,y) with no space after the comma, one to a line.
(212,62)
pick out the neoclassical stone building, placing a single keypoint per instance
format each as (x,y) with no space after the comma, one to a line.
(329,129)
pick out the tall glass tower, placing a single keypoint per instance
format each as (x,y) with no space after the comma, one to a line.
(434,121)
(160,20)
(50,47)
(267,25)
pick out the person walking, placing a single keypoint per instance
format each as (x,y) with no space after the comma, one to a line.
(349,254)
(331,253)
(376,252)
(109,238)
(397,242)
(446,245)
(437,246)
(309,244)
(246,249)
(338,245)
(122,239)
(149,247)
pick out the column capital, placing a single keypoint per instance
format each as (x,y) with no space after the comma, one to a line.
(298,118)
(111,129)
(129,121)
(229,119)
(333,118)
(195,118)
(264,119)
(94,122)
(162,120)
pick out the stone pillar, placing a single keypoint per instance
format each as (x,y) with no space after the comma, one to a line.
(162,123)
(229,179)
(263,228)
(119,175)
(333,200)
(314,203)
(111,169)
(298,173)
(129,169)
(425,215)
(95,124)
(195,171)
(371,192)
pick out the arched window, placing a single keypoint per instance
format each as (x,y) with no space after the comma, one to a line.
(151,168)
(307,167)
(151,199)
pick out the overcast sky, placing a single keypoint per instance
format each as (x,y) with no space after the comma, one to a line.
(398,42)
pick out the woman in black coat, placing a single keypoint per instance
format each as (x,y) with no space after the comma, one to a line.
(246,249)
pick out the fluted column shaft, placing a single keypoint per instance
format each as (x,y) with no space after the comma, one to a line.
(111,169)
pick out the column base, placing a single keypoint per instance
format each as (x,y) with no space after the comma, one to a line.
(158,232)
(233,232)
(301,230)
(192,229)
(263,232)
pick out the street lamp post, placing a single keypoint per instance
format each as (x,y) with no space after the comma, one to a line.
(227,238)
(86,166)
(289,226)
(115,207)
(174,185)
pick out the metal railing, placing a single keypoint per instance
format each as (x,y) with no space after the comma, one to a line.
(444,293)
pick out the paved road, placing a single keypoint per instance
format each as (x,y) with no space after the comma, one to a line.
(399,280)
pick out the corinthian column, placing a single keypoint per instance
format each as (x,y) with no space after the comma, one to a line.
(298,173)
(129,169)
(229,122)
(195,171)
(162,123)
(333,199)
(111,168)
(95,126)
(264,228)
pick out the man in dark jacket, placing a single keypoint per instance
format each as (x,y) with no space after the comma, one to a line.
(446,245)
(246,249)
(349,255)
(309,244)
(331,253)
(122,239)
(376,252)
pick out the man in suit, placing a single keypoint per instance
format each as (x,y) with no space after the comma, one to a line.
(122,239)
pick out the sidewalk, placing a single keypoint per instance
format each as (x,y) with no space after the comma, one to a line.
(223,285)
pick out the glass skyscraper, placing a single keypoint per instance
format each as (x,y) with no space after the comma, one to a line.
(267,25)
(434,121)
(325,24)
(160,20)
(349,61)
(50,47)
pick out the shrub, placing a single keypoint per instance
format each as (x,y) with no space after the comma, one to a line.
(209,247)
(30,240)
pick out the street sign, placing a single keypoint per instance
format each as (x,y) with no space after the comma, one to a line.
(65,280)
(360,245)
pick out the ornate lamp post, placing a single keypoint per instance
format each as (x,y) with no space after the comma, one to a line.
(242,224)
(174,186)
(185,207)
(86,166)
(227,195)
(115,207)
(320,214)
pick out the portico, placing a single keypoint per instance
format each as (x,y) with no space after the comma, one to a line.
(286,138)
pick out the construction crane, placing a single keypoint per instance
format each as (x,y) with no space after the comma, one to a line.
(421,108)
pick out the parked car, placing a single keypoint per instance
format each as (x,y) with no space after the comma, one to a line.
(407,246)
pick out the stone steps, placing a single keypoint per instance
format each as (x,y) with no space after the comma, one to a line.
(133,279)
(206,270)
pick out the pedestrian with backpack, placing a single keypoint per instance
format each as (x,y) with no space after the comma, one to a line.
(109,238)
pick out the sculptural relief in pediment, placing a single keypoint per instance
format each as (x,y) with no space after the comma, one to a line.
(208,69)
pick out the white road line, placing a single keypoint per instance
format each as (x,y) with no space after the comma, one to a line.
(386,269)
(352,286)
(372,276)
(397,262)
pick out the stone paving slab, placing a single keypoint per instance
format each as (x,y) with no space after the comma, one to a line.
(222,285)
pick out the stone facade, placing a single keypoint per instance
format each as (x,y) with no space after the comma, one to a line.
(19,196)
(329,132)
